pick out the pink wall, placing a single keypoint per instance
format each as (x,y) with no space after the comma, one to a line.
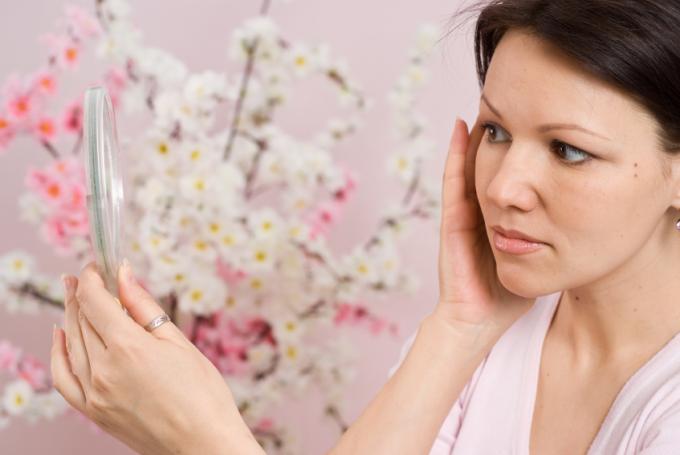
(373,36)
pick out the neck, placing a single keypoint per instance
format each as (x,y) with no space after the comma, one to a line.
(633,310)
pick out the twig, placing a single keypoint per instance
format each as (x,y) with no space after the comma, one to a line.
(31,290)
(250,64)
(413,186)
(50,148)
(334,413)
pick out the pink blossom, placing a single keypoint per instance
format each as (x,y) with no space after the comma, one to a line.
(64,50)
(377,325)
(9,356)
(343,314)
(76,224)
(82,24)
(265,424)
(343,193)
(20,106)
(323,217)
(6,132)
(229,274)
(115,81)
(45,129)
(70,55)
(52,230)
(72,117)
(232,366)
(49,187)
(70,168)
(61,185)
(44,82)
(226,341)
(349,314)
(33,372)
(357,315)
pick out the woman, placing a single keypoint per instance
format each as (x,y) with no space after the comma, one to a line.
(558,324)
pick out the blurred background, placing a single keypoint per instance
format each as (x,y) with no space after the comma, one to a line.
(374,38)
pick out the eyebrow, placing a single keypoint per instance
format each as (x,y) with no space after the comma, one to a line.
(549,126)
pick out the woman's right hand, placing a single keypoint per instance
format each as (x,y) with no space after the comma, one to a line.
(470,293)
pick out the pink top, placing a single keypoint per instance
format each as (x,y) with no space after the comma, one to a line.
(494,411)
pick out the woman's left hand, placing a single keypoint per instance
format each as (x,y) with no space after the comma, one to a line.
(154,391)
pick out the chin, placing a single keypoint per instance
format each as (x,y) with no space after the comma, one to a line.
(521,282)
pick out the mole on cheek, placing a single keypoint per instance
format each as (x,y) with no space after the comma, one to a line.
(635,166)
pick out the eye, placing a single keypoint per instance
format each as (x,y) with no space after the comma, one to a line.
(492,132)
(565,152)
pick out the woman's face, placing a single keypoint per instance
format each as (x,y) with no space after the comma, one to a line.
(595,193)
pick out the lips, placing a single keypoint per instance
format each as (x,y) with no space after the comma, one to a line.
(514,234)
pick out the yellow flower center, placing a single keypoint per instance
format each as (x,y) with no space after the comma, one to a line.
(291,352)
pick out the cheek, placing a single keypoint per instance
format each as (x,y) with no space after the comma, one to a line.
(600,225)
(485,168)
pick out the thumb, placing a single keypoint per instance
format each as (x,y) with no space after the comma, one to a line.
(141,305)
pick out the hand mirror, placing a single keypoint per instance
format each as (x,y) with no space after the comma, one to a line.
(104,183)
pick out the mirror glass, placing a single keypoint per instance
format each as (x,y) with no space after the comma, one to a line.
(104,183)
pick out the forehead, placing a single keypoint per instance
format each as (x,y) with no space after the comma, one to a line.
(533,81)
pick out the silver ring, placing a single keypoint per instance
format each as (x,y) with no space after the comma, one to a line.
(157,321)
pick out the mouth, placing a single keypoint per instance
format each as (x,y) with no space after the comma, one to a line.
(515,242)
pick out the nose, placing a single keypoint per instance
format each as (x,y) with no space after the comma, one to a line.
(515,182)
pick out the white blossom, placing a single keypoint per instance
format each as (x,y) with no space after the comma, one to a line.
(204,294)
(16,267)
(17,397)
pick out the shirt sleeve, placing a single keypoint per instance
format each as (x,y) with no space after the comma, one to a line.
(446,438)
(663,438)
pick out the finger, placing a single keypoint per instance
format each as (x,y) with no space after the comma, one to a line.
(101,308)
(459,181)
(141,305)
(475,137)
(96,349)
(75,347)
(453,185)
(62,377)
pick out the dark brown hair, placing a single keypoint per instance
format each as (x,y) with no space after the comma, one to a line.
(631,44)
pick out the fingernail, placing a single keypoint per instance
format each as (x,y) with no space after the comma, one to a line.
(65,283)
(128,275)
(54,333)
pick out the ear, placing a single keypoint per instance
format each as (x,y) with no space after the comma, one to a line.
(672,173)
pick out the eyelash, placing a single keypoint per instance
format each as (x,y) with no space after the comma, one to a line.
(554,144)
